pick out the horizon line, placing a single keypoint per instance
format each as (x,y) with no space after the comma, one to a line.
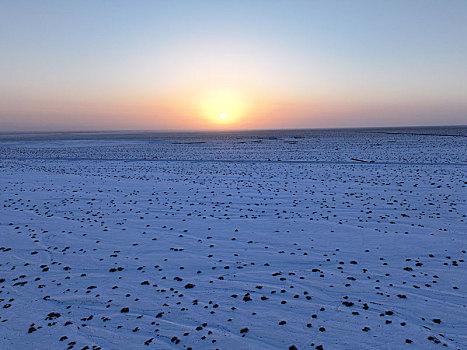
(168,131)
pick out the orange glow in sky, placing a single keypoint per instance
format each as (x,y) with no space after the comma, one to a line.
(223,65)
(222,107)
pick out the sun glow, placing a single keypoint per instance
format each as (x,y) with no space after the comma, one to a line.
(222,107)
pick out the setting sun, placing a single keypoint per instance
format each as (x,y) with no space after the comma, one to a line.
(222,107)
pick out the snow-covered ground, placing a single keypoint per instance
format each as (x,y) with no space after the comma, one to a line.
(313,239)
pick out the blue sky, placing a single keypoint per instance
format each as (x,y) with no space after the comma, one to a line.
(68,65)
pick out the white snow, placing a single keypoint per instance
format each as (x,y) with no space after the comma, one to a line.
(350,254)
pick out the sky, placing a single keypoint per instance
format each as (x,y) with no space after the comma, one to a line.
(225,65)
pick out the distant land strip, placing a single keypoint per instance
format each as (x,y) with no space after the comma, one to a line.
(278,161)
(410,133)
